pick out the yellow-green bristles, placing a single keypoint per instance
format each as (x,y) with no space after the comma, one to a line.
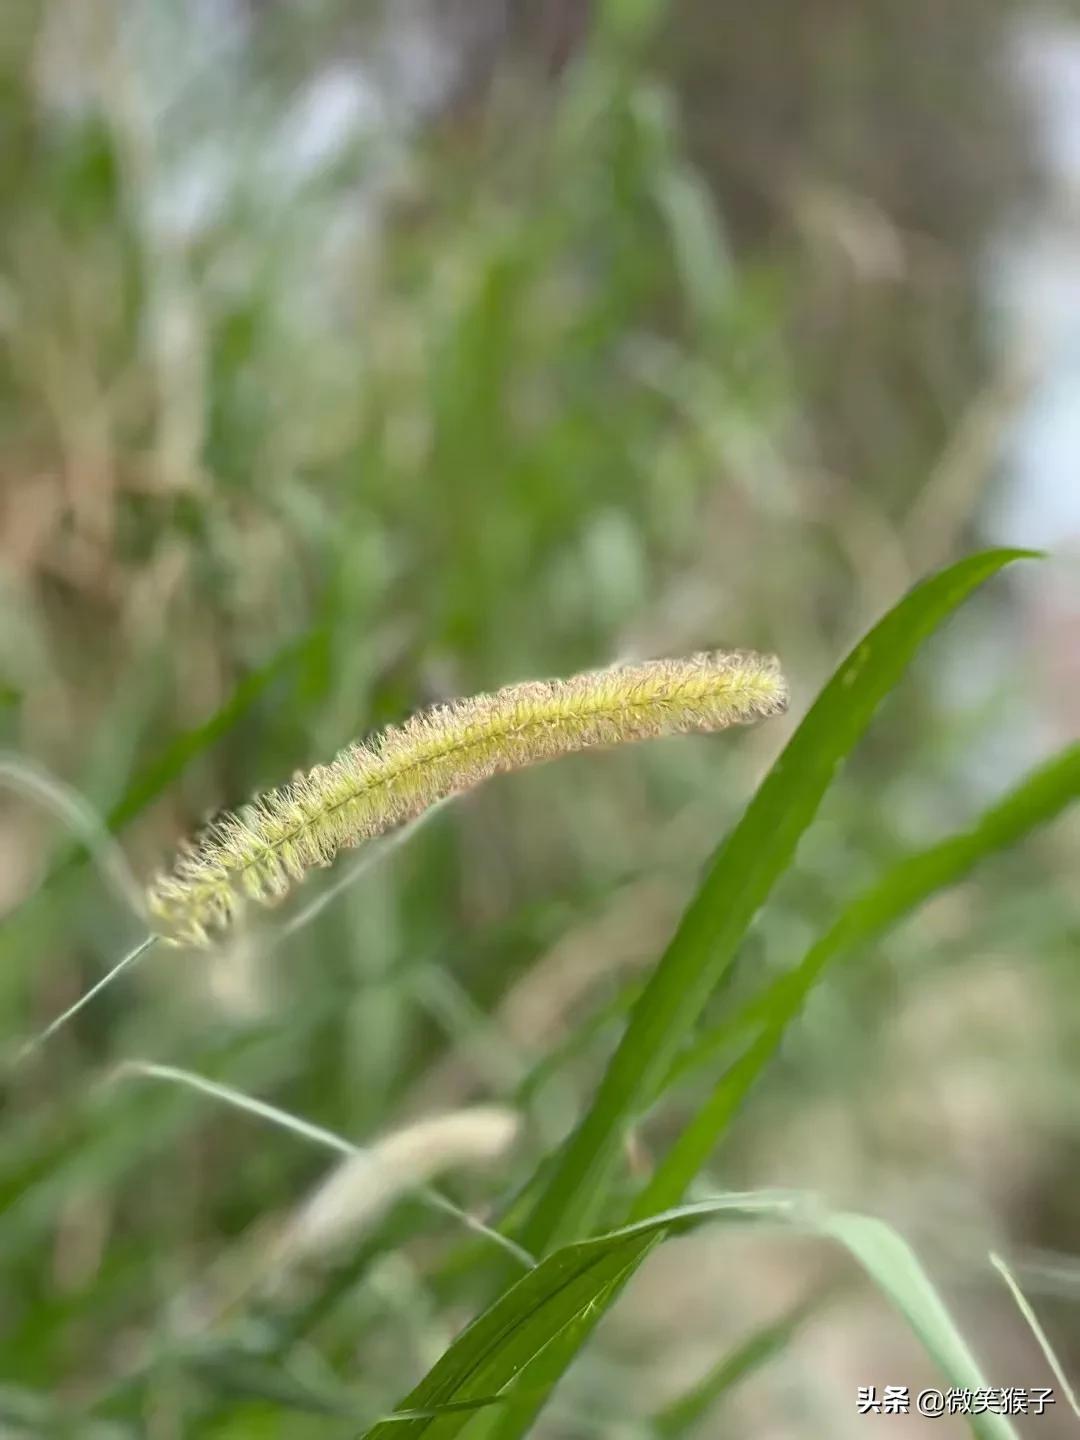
(259,852)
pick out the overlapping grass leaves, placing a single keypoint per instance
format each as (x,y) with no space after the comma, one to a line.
(907,884)
(558,1305)
(568,1288)
(562,1301)
(1036,801)
(739,879)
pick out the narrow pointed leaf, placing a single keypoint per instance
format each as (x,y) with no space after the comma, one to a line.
(1037,800)
(763,1345)
(738,881)
(573,1283)
(498,1345)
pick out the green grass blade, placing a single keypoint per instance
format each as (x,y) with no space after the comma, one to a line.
(538,1380)
(750,1016)
(318,1135)
(541,1377)
(766,1342)
(573,1284)
(739,880)
(505,1338)
(1034,1325)
(155,777)
(160,772)
(897,1273)
(1036,801)
(240,1376)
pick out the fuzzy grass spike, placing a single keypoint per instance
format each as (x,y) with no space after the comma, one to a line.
(373,786)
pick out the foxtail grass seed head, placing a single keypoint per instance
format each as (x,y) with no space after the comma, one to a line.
(264,848)
(363,1186)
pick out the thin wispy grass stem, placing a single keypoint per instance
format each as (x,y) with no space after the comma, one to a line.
(1034,1325)
(318,1135)
(80,816)
(62,1019)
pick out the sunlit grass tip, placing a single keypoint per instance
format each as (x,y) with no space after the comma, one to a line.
(260,851)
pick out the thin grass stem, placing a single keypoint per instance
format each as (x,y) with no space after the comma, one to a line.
(80,816)
(69,1014)
(318,1135)
(1024,1306)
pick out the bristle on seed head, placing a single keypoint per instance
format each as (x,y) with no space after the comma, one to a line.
(260,851)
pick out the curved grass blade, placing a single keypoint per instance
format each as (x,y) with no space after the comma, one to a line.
(718,1037)
(540,1378)
(895,1269)
(738,881)
(1033,1324)
(1042,795)
(228,1371)
(763,1345)
(570,1287)
(535,1384)
(1037,800)
(427,1193)
(488,1355)
(158,773)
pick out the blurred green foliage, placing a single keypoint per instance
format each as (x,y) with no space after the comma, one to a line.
(562,368)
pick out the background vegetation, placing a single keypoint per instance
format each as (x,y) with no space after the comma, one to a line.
(350,360)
